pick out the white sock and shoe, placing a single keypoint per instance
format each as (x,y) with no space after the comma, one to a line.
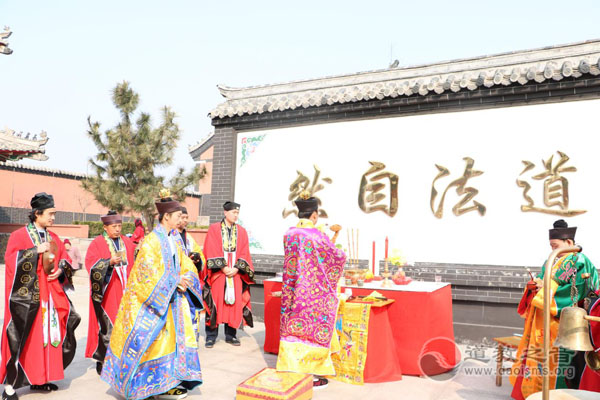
(319,382)
(9,393)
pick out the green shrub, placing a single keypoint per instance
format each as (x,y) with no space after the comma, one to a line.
(97,227)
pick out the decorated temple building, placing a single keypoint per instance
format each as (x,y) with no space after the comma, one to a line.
(17,146)
(4,49)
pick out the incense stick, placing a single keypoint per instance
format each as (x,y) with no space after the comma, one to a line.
(349,258)
(353,249)
(357,247)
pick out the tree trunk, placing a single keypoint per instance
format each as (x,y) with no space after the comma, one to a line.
(149,217)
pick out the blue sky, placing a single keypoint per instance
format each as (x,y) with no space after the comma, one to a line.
(68,55)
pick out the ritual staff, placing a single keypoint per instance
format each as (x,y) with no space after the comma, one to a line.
(313,267)
(153,349)
(227,277)
(526,376)
(38,340)
(108,261)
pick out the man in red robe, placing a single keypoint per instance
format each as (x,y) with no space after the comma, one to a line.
(108,261)
(38,340)
(138,233)
(229,272)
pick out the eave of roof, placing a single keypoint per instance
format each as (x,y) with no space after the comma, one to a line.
(61,173)
(14,147)
(197,149)
(548,63)
(42,170)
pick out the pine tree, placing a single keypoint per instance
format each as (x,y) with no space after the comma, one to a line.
(129,154)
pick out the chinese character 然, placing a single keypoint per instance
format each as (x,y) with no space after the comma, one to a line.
(369,196)
(302,183)
(467,192)
(556,188)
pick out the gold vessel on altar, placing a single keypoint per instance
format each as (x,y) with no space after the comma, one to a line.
(386,283)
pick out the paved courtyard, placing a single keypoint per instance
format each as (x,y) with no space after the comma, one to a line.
(225,366)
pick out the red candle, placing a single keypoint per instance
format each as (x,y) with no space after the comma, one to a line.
(373,257)
(386,247)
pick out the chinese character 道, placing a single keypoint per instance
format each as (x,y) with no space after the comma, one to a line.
(556,187)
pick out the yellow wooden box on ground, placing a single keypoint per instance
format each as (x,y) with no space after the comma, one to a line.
(269,384)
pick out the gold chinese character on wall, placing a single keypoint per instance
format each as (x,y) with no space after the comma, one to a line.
(467,193)
(370,198)
(302,183)
(556,187)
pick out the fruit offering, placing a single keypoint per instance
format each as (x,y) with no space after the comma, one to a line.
(400,278)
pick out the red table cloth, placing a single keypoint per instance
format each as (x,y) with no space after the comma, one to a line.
(420,321)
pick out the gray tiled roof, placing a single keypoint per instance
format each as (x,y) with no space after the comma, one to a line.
(539,65)
(51,171)
(18,146)
(200,143)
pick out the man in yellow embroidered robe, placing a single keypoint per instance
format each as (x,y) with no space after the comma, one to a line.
(153,349)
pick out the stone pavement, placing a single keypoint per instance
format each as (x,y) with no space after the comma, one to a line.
(225,366)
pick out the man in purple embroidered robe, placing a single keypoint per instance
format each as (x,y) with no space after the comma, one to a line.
(309,302)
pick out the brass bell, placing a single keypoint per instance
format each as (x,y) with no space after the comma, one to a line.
(574,330)
(592,359)
(48,258)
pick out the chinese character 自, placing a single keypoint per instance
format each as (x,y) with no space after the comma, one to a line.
(370,198)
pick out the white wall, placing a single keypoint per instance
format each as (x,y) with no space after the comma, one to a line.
(497,139)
